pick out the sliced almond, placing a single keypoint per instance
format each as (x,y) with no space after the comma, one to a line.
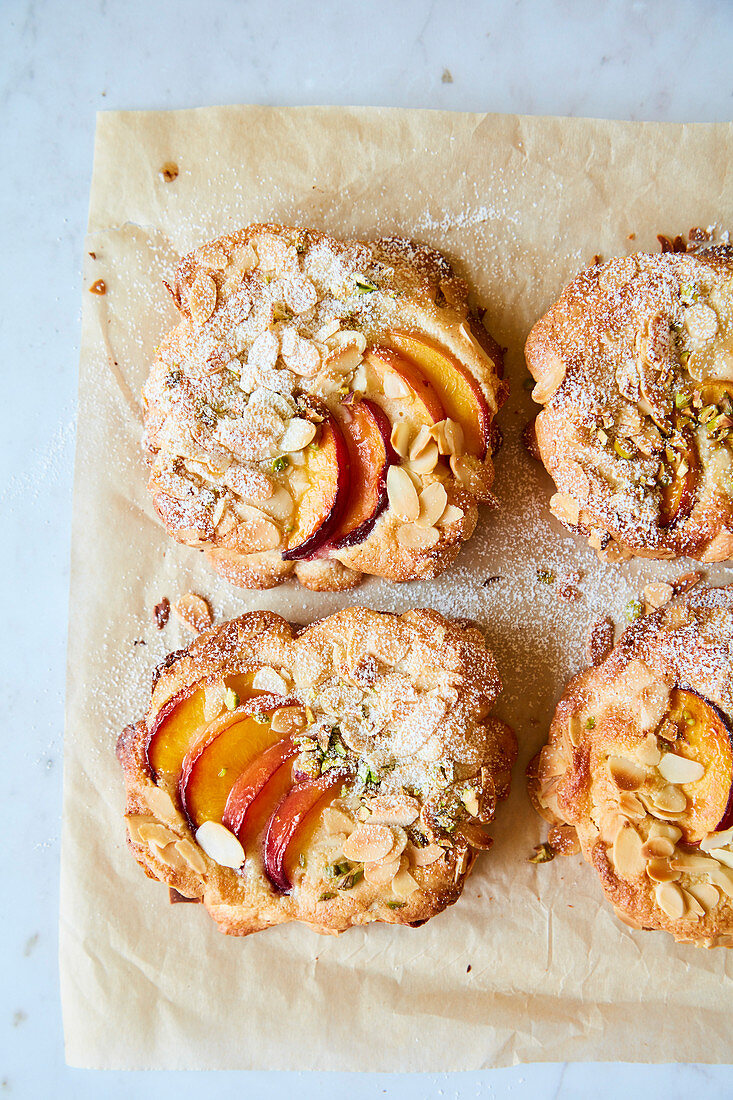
(424,857)
(214,696)
(648,752)
(134,821)
(706,894)
(630,806)
(202,298)
(670,900)
(336,821)
(461,864)
(420,442)
(400,438)
(678,769)
(156,835)
(662,829)
(213,256)
(669,798)
(287,720)
(627,857)
(194,611)
(657,847)
(701,322)
(450,516)
(626,775)
(412,537)
(326,330)
(661,870)
(170,855)
(264,351)
(268,679)
(433,502)
(298,434)
(380,874)
(721,878)
(657,595)
(575,729)
(717,840)
(160,803)
(191,855)
(220,844)
(426,461)
(369,843)
(403,884)
(692,905)
(688,861)
(455,443)
(300,294)
(723,856)
(393,386)
(402,494)
(394,809)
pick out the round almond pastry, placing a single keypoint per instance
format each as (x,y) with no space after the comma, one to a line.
(323,409)
(639,767)
(634,367)
(335,774)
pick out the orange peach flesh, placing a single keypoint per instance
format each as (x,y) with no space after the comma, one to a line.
(319,508)
(704,736)
(426,403)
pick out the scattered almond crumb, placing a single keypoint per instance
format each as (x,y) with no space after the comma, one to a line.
(563,839)
(599,642)
(569,592)
(194,611)
(100,287)
(169,172)
(447,77)
(657,595)
(687,581)
(162,612)
(543,853)
(631,237)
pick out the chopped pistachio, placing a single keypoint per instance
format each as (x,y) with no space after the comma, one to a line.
(543,853)
(278,464)
(396,904)
(364,285)
(327,896)
(231,699)
(545,575)
(590,723)
(221,773)
(623,449)
(682,400)
(634,610)
(263,719)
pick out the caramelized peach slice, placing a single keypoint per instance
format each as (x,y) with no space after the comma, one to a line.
(225,748)
(180,721)
(460,394)
(320,507)
(367,431)
(417,388)
(286,826)
(678,498)
(705,736)
(258,790)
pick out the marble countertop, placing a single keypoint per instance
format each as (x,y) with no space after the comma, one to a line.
(59,63)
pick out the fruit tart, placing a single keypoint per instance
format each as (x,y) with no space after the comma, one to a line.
(634,368)
(335,774)
(323,409)
(639,768)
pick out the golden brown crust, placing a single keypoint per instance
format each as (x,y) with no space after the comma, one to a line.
(416,756)
(634,367)
(277,327)
(646,782)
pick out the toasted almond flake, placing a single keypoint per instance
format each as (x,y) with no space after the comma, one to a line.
(393,386)
(380,874)
(717,840)
(721,878)
(706,894)
(400,438)
(134,821)
(630,806)
(220,844)
(288,720)
(403,884)
(427,460)
(461,864)
(662,829)
(657,595)
(669,798)
(423,857)
(648,752)
(692,905)
(169,855)
(301,356)
(627,857)
(433,502)
(214,695)
(213,256)
(160,803)
(326,330)
(420,442)
(156,835)
(657,847)
(454,438)
(202,298)
(394,809)
(661,870)
(678,769)
(670,900)
(194,611)
(575,729)
(267,679)
(402,495)
(565,508)
(701,322)
(687,861)
(336,821)
(469,799)
(626,775)
(298,434)
(450,516)
(264,351)
(191,855)
(723,856)
(369,843)
(412,537)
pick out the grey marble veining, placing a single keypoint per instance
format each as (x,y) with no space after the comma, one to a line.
(59,63)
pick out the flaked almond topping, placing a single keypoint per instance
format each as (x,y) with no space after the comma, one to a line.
(450,516)
(661,828)
(156,835)
(267,679)
(369,843)
(658,847)
(420,442)
(717,840)
(707,894)
(627,775)
(693,907)
(565,508)
(669,798)
(214,696)
(213,256)
(298,434)
(678,769)
(688,861)
(301,356)
(220,844)
(627,857)
(400,438)
(412,537)
(461,864)
(336,821)
(427,460)
(453,437)
(394,809)
(134,821)
(191,855)
(169,855)
(194,611)
(264,351)
(423,857)
(288,720)
(160,803)
(202,298)
(701,322)
(326,330)
(402,494)
(657,595)
(300,294)
(393,386)
(670,900)
(403,884)
(575,729)
(721,878)
(630,806)
(380,874)
(433,502)
(648,751)
(723,856)
(661,870)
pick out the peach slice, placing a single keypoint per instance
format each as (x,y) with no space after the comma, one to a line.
(678,498)
(320,507)
(705,735)
(460,394)
(179,722)
(303,803)
(418,388)
(255,792)
(225,748)
(367,431)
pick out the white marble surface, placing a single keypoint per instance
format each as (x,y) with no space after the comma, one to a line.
(59,63)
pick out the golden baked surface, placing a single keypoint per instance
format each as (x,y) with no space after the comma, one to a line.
(323,409)
(639,762)
(335,774)
(634,367)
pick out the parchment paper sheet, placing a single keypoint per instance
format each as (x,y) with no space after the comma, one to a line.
(520,205)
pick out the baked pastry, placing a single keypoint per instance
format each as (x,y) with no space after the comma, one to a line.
(323,409)
(634,367)
(639,764)
(337,774)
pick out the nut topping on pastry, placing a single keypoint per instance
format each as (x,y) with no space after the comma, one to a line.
(634,365)
(336,775)
(639,763)
(303,371)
